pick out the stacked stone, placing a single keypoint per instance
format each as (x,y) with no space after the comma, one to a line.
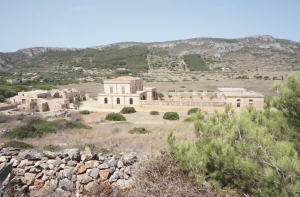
(69,172)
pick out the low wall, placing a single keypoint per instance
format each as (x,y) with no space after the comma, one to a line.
(4,108)
(69,172)
(208,106)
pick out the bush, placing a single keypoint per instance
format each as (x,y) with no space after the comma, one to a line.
(192,110)
(190,91)
(139,130)
(200,91)
(171,116)
(154,113)
(182,87)
(127,110)
(21,117)
(52,148)
(115,117)
(17,144)
(37,127)
(188,120)
(84,112)
(76,116)
(171,90)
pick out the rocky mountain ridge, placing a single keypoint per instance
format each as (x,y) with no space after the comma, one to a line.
(207,47)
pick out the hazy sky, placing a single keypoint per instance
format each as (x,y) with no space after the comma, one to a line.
(74,23)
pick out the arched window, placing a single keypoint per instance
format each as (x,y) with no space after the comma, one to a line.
(105,100)
(238,104)
(131,101)
(118,100)
(250,102)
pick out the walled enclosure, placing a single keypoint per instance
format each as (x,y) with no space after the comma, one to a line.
(69,172)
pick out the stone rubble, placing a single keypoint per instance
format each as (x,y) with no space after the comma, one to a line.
(69,172)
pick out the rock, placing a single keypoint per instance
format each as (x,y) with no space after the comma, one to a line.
(39,183)
(73,154)
(124,184)
(50,155)
(68,173)
(129,159)
(66,185)
(72,163)
(104,174)
(36,164)
(112,170)
(31,154)
(115,176)
(18,171)
(79,187)
(93,173)
(120,164)
(25,163)
(87,154)
(53,183)
(92,164)
(80,168)
(34,170)
(44,166)
(103,166)
(15,161)
(100,157)
(83,178)
(92,188)
(127,170)
(112,162)
(61,193)
(51,161)
(28,178)
(45,178)
(2,159)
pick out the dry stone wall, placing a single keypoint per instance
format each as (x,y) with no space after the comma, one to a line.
(69,172)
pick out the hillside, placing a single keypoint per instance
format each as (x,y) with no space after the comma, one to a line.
(197,54)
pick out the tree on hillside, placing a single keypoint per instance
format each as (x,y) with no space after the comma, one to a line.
(77,104)
(288,99)
(160,95)
(252,151)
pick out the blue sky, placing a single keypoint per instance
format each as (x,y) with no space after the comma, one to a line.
(74,23)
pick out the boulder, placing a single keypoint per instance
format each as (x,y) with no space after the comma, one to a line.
(104,174)
(38,184)
(28,178)
(2,159)
(80,168)
(83,178)
(61,193)
(92,188)
(18,171)
(120,164)
(112,170)
(103,166)
(72,163)
(112,162)
(115,176)
(31,154)
(92,164)
(66,185)
(124,184)
(129,159)
(50,155)
(94,173)
(87,154)
(68,173)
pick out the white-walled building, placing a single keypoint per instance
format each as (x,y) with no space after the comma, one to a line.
(125,91)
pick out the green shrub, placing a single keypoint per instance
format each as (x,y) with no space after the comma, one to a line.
(52,148)
(85,112)
(139,130)
(127,110)
(200,91)
(37,127)
(182,87)
(190,91)
(188,120)
(154,113)
(115,117)
(17,144)
(20,117)
(171,90)
(171,116)
(192,110)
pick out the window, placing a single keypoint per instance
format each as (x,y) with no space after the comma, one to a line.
(111,89)
(238,104)
(130,101)
(105,100)
(250,102)
(118,100)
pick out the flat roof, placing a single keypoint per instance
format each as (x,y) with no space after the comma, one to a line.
(231,89)
(239,92)
(127,78)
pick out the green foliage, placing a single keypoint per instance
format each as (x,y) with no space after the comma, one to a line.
(21,117)
(188,120)
(195,62)
(37,127)
(253,151)
(192,110)
(190,91)
(171,116)
(77,104)
(85,112)
(115,117)
(182,87)
(139,130)
(287,100)
(127,110)
(154,113)
(52,148)
(17,144)
(160,95)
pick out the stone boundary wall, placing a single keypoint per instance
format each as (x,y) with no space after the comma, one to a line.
(4,108)
(187,94)
(69,172)
(208,106)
